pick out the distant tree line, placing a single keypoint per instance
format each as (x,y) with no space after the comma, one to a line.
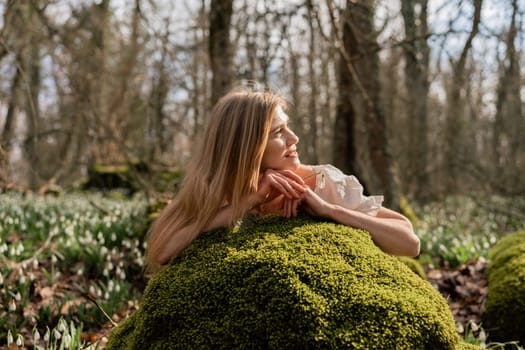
(414,99)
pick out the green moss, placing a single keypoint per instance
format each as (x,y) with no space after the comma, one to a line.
(288,284)
(413,265)
(407,210)
(505,308)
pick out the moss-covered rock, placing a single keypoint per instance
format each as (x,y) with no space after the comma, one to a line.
(413,265)
(288,284)
(505,308)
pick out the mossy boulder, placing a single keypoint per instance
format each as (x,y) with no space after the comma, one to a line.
(505,308)
(274,283)
(413,265)
(103,177)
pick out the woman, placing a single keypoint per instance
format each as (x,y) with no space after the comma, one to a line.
(248,161)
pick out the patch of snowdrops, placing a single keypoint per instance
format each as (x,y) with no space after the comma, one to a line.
(64,262)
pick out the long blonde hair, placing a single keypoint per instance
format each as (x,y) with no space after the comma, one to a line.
(224,169)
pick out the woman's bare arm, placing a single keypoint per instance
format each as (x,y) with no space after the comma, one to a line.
(391,231)
(284,182)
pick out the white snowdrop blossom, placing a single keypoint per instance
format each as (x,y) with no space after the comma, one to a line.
(62,325)
(12,305)
(19,340)
(36,335)
(67,341)
(56,334)
(9,338)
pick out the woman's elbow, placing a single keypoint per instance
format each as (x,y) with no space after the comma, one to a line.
(413,242)
(414,246)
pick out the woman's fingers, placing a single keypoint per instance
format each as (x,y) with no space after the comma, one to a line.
(286,184)
(290,207)
(291,175)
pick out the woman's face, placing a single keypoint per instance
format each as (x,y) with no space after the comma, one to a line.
(280,152)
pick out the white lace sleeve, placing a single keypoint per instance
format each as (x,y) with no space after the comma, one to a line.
(345,190)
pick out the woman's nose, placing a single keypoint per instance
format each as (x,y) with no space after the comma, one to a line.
(292,138)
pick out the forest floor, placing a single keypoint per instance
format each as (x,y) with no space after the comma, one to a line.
(464,287)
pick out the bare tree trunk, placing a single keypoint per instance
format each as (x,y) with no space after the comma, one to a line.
(159,93)
(313,135)
(508,145)
(32,111)
(456,115)
(294,112)
(416,81)
(101,148)
(220,51)
(359,54)
(12,110)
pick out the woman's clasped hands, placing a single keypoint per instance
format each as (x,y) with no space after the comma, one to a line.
(282,192)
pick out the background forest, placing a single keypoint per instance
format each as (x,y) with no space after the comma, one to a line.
(423,100)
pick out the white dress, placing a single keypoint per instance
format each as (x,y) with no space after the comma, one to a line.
(335,187)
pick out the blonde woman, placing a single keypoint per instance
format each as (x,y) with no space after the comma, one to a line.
(248,162)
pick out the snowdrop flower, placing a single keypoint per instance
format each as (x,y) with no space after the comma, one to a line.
(36,335)
(67,341)
(9,338)
(47,335)
(56,334)
(12,305)
(62,325)
(19,340)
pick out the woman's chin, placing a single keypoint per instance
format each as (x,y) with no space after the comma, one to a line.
(292,164)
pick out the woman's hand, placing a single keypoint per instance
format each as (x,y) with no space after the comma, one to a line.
(315,205)
(281,206)
(273,183)
(279,192)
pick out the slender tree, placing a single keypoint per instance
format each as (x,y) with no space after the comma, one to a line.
(220,50)
(508,145)
(416,52)
(455,110)
(360,110)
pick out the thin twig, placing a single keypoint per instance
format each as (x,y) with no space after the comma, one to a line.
(102,209)
(101,309)
(14,265)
